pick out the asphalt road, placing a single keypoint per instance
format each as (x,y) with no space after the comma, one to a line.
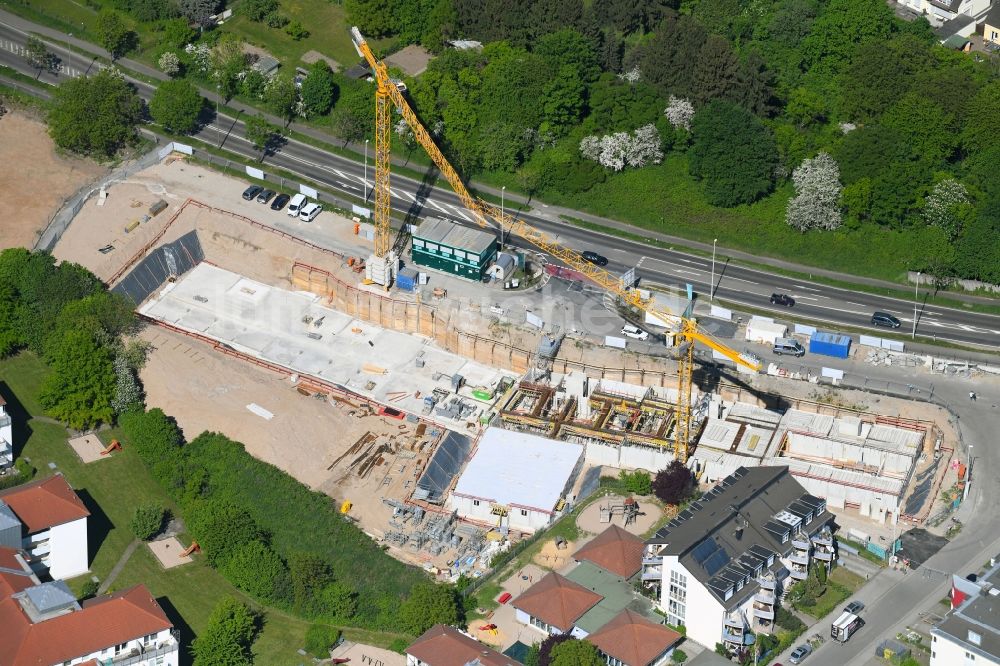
(735,285)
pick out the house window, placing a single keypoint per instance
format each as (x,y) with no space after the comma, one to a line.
(970,657)
(120,647)
(974,638)
(535,622)
(459,254)
(433,247)
(524,512)
(418,243)
(475,502)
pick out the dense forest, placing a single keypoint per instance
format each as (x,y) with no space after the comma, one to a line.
(871,120)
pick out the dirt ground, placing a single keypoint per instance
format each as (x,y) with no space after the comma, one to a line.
(32,191)
(205,390)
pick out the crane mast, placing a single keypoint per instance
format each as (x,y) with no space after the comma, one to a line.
(687,332)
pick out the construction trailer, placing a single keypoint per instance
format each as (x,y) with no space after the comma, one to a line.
(445,246)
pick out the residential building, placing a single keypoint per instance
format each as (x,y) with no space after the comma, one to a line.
(6,437)
(722,565)
(516,480)
(44,625)
(596,601)
(970,633)
(939,12)
(463,251)
(47,520)
(991,25)
(447,646)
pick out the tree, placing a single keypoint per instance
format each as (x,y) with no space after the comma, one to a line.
(575,653)
(169,63)
(147,520)
(255,568)
(177,33)
(934,136)
(82,383)
(176,105)
(637,482)
(733,152)
(197,11)
(228,636)
(563,100)
(879,74)
(375,18)
(320,639)
(263,135)
(128,393)
(982,119)
(281,96)
(338,600)
(95,115)
(842,26)
(296,30)
(427,605)
(977,253)
(221,528)
(615,151)
(113,34)
(529,179)
(228,63)
(948,206)
(551,642)
(567,47)
(256,10)
(674,484)
(319,89)
(678,656)
(816,204)
(308,574)
(679,112)
(38,56)
(354,114)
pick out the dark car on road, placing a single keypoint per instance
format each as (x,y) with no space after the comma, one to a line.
(252,192)
(280,202)
(885,319)
(595,258)
(265,196)
(854,607)
(782,299)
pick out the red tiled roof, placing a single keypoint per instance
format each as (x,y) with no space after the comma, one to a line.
(14,576)
(102,623)
(446,646)
(633,639)
(557,601)
(44,504)
(614,550)
(8,558)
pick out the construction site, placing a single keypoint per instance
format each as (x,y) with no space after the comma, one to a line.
(443,424)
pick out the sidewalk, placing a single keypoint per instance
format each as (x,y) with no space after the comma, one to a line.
(538,208)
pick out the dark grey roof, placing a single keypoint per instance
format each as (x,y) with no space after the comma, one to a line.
(993,16)
(358,71)
(980,616)
(740,527)
(954,26)
(947,5)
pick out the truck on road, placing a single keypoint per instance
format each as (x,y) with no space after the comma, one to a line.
(844,627)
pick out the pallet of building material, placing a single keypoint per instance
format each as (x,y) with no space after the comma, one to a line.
(373,369)
(344,401)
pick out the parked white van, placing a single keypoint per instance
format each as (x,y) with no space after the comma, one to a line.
(296,204)
(309,212)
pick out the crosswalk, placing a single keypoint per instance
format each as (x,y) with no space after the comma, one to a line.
(18,49)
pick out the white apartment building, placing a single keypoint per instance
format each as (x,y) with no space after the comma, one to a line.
(44,625)
(970,634)
(721,566)
(48,521)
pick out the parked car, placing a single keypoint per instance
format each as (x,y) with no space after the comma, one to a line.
(854,607)
(885,319)
(309,212)
(295,204)
(252,192)
(788,346)
(630,331)
(594,258)
(782,299)
(279,201)
(800,653)
(265,196)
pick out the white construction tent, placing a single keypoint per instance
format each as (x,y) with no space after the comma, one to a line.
(765,330)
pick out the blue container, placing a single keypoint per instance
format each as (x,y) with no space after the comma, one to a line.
(406,279)
(830,344)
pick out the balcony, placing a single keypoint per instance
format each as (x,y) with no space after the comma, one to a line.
(763,613)
(799,558)
(823,556)
(798,574)
(652,560)
(767,583)
(764,597)
(822,539)
(146,655)
(740,638)
(801,544)
(652,573)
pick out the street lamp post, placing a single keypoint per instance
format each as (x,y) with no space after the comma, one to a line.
(366,170)
(711,287)
(503,190)
(916,286)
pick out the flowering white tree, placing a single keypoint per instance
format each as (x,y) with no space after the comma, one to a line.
(169,63)
(128,394)
(621,149)
(631,76)
(944,206)
(816,204)
(202,55)
(679,112)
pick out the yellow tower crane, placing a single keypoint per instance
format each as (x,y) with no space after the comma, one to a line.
(686,329)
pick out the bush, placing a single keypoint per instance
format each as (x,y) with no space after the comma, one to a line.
(638,482)
(255,568)
(228,637)
(88,590)
(320,639)
(21,472)
(296,30)
(674,484)
(258,10)
(678,656)
(147,520)
(399,645)
(788,620)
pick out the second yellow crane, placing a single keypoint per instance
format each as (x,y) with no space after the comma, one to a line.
(686,332)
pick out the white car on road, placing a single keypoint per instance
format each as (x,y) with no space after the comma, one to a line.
(634,332)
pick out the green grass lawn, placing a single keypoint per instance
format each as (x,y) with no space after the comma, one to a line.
(68,16)
(111,488)
(841,585)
